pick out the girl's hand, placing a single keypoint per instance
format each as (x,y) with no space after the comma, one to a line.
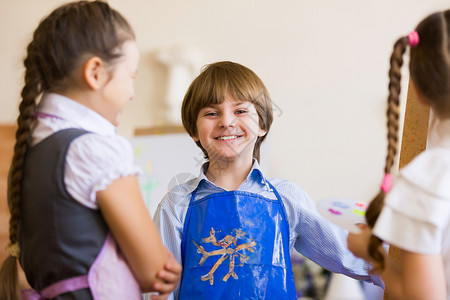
(358,244)
(169,278)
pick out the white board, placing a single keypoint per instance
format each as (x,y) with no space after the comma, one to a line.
(166,160)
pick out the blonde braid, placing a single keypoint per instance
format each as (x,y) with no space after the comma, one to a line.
(377,203)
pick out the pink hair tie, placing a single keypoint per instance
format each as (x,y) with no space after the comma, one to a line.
(413,38)
(387,183)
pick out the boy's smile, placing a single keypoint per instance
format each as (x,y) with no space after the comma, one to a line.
(228,131)
(228,137)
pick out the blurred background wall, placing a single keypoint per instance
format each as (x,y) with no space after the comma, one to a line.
(324,63)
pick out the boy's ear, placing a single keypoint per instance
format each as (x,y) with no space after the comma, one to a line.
(93,72)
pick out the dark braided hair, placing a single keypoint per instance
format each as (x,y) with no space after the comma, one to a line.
(61,43)
(377,203)
(430,72)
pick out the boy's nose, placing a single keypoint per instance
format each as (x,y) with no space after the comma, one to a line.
(227,120)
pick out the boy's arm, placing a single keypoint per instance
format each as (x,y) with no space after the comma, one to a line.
(318,239)
(326,244)
(170,228)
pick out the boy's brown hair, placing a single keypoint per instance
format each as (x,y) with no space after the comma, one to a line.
(226,78)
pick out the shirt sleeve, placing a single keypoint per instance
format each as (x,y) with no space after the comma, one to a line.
(93,162)
(416,212)
(318,239)
(169,220)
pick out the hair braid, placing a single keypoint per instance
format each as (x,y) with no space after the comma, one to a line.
(377,203)
(27,107)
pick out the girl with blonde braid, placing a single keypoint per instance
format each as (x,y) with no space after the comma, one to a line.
(414,215)
(78,225)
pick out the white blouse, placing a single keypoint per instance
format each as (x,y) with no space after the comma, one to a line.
(94,160)
(416,215)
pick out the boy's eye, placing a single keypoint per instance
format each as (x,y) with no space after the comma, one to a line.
(211,114)
(241,111)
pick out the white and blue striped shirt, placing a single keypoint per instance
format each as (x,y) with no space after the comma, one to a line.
(310,234)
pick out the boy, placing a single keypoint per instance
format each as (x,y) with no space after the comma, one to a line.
(231,228)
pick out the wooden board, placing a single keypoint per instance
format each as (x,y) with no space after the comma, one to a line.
(414,140)
(159,130)
(415,129)
(7,140)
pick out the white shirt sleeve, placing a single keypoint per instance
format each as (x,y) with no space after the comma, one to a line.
(93,162)
(317,238)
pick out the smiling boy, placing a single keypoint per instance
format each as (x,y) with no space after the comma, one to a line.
(231,228)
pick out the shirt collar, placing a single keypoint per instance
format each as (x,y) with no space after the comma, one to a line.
(255,175)
(70,110)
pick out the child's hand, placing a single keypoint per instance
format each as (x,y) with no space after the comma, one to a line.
(169,276)
(358,244)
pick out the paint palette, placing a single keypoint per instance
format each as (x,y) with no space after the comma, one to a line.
(345,213)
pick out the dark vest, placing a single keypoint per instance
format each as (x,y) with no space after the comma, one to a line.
(59,237)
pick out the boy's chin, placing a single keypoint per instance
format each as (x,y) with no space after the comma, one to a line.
(232,158)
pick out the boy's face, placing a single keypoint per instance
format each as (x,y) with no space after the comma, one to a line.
(228,131)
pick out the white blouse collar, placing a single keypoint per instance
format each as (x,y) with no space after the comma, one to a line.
(59,106)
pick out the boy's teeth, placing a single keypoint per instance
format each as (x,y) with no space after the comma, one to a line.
(227,137)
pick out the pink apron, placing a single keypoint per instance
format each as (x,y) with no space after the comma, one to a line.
(109,277)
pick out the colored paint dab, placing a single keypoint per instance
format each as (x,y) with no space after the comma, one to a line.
(340,205)
(359,212)
(335,212)
(362,205)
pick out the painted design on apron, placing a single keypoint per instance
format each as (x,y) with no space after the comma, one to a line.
(229,250)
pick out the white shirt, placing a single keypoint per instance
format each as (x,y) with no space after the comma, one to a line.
(416,215)
(93,160)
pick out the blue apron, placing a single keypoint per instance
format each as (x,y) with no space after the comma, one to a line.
(235,245)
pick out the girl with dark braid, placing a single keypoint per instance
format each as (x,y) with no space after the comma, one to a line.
(414,215)
(79,226)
